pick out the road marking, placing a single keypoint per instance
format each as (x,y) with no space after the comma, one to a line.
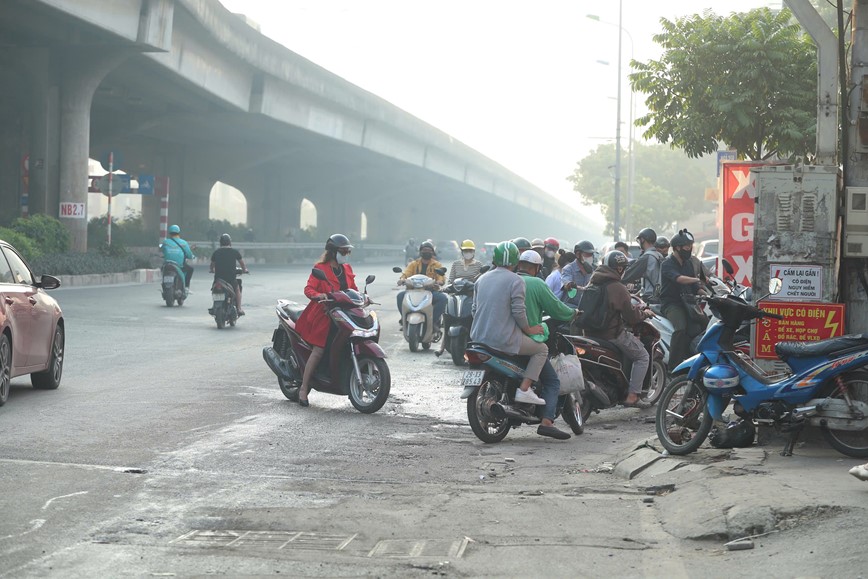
(72,464)
(34,525)
(45,506)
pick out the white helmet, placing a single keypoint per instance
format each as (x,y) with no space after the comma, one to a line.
(531,256)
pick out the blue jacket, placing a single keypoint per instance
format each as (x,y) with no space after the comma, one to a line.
(177,252)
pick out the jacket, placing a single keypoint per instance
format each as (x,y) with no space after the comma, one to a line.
(540,300)
(647,269)
(415,267)
(313,325)
(177,250)
(622,312)
(499,311)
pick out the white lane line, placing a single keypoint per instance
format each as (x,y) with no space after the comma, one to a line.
(45,506)
(34,525)
(72,464)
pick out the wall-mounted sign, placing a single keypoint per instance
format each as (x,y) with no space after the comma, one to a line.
(804,322)
(803,283)
(72,210)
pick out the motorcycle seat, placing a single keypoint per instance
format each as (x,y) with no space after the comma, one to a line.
(293,310)
(503,355)
(823,348)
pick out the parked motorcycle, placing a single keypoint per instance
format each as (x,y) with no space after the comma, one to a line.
(418,322)
(458,317)
(173,287)
(224,309)
(827,387)
(353,364)
(490,385)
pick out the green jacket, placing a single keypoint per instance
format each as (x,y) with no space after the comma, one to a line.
(540,300)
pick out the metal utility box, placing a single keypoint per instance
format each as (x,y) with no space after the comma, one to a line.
(795,238)
(856,222)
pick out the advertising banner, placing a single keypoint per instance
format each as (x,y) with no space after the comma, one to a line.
(805,322)
(737,201)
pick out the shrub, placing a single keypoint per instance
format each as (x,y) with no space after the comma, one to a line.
(83,263)
(26,246)
(48,233)
(128,233)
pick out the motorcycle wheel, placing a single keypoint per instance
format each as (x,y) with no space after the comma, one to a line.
(283,348)
(656,384)
(458,345)
(848,442)
(426,345)
(219,317)
(486,430)
(169,298)
(370,395)
(574,414)
(413,338)
(179,290)
(683,423)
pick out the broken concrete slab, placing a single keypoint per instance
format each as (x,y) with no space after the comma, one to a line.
(636,462)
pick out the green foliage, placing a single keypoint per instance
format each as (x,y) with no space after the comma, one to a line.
(668,187)
(748,80)
(48,233)
(27,247)
(83,263)
(129,232)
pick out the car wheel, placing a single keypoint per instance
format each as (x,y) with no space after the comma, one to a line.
(49,379)
(5,368)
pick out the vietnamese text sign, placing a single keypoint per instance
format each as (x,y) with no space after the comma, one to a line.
(804,322)
(72,210)
(737,203)
(802,283)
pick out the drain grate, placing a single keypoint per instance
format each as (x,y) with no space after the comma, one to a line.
(265,539)
(400,548)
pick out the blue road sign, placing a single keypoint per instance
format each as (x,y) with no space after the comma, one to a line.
(118,160)
(725,156)
(146,184)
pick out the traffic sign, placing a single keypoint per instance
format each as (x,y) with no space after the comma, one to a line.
(146,184)
(118,160)
(120,184)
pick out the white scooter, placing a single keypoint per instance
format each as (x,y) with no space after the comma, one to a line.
(418,309)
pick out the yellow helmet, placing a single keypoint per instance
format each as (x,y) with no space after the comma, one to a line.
(467,244)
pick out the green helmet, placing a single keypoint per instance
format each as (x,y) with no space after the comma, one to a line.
(505,254)
(522,244)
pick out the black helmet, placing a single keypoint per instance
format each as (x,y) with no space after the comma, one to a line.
(522,244)
(429,245)
(682,238)
(338,241)
(583,247)
(225,240)
(661,243)
(648,235)
(737,434)
(615,259)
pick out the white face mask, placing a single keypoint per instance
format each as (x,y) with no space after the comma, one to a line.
(589,261)
(342,259)
(468,255)
(550,253)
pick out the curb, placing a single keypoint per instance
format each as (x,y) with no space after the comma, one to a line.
(140,276)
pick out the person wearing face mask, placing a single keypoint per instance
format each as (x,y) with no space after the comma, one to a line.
(425,265)
(468,266)
(577,275)
(646,269)
(679,278)
(549,256)
(313,324)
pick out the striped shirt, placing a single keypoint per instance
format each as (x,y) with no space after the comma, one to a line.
(460,269)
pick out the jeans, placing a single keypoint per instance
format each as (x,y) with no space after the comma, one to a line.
(439,305)
(633,349)
(188,273)
(551,387)
(684,331)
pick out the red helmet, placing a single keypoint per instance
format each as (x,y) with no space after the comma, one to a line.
(552,243)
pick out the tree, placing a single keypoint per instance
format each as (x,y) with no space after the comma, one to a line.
(668,187)
(748,80)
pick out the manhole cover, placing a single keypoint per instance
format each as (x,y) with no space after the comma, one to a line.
(265,539)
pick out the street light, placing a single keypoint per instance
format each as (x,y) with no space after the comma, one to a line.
(617,219)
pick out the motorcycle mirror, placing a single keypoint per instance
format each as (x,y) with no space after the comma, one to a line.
(370,279)
(317,273)
(397,269)
(441,270)
(775,285)
(484,268)
(727,267)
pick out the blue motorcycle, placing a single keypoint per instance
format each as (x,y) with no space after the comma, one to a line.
(826,387)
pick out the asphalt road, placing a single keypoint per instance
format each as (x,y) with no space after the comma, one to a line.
(168,450)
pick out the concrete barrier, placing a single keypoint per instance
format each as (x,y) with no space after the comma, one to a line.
(134,276)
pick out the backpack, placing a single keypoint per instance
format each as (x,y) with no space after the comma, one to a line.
(594,305)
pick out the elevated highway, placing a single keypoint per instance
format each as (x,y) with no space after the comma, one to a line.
(186,89)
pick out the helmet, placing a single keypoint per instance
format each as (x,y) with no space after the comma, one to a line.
(583,247)
(338,241)
(661,243)
(505,254)
(552,243)
(720,378)
(737,434)
(521,243)
(225,239)
(530,256)
(427,244)
(648,235)
(174,229)
(537,243)
(682,238)
(615,259)
(468,244)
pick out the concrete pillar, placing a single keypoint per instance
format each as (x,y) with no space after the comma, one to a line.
(273,209)
(10,170)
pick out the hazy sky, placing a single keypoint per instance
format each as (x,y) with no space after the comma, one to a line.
(517,80)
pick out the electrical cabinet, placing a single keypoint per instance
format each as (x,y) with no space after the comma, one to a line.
(856,222)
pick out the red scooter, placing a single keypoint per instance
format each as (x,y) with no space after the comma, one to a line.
(353,364)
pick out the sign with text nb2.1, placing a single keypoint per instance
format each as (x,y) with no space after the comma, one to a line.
(802,283)
(804,322)
(72,210)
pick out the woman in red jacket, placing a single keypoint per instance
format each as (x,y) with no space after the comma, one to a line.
(313,325)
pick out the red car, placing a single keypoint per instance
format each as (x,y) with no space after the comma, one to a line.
(31,325)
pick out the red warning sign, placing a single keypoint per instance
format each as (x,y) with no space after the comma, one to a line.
(804,322)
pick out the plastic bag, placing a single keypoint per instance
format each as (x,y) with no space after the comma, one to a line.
(569,370)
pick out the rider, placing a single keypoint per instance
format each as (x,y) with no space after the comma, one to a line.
(647,267)
(577,274)
(468,266)
(223,267)
(621,316)
(313,325)
(177,250)
(425,265)
(551,247)
(662,246)
(554,280)
(678,278)
(500,321)
(539,301)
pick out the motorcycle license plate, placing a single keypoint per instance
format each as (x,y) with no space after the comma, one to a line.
(168,279)
(472,377)
(217,297)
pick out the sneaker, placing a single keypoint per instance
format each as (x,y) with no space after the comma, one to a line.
(528,397)
(189,291)
(552,432)
(860,472)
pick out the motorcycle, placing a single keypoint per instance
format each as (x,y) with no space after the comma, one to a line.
(224,309)
(458,317)
(353,364)
(490,385)
(418,322)
(827,387)
(173,287)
